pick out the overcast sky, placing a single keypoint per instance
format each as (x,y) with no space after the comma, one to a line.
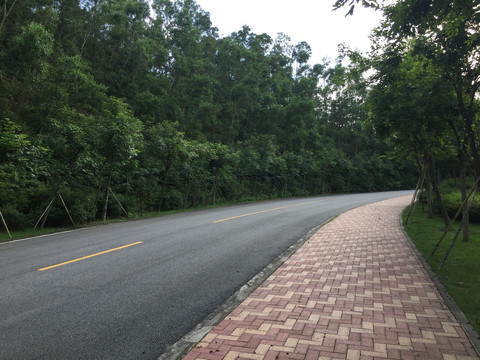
(302,20)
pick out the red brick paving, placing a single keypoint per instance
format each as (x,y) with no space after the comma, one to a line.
(355,290)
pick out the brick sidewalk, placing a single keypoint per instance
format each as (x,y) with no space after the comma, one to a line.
(355,290)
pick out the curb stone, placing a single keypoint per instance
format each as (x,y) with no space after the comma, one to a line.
(178,350)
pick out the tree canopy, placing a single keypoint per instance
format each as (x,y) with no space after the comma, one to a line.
(424,94)
(145,101)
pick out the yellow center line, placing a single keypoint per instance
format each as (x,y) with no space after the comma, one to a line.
(264,211)
(89,256)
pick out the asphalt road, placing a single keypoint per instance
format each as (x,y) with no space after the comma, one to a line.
(129,290)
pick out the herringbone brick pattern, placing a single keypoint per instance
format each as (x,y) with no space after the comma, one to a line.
(355,290)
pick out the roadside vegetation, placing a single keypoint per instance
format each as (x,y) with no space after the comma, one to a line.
(29,232)
(461,273)
(111,109)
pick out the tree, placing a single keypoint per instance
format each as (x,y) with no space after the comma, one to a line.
(398,107)
(446,33)
(450,32)
(145,101)
(118,143)
(12,141)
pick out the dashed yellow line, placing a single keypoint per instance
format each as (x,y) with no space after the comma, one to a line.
(89,256)
(264,211)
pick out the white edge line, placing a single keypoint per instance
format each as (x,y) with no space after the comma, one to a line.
(40,236)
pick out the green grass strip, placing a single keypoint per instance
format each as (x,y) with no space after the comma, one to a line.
(461,273)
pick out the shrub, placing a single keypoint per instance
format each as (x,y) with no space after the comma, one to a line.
(82,210)
(173,199)
(422,196)
(129,203)
(15,219)
(453,201)
(452,185)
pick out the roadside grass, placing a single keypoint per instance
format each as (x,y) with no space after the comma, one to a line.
(26,233)
(461,273)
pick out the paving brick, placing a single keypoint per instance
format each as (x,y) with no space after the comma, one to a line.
(355,290)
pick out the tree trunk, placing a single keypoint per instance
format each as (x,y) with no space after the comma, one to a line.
(99,189)
(285,187)
(465,212)
(429,200)
(164,186)
(107,192)
(430,163)
(185,200)
(187,192)
(468,117)
(462,151)
(215,183)
(438,196)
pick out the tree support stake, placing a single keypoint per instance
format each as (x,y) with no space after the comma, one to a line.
(115,197)
(456,215)
(459,228)
(44,214)
(413,204)
(68,212)
(5,224)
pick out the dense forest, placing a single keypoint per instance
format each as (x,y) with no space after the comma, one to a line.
(115,107)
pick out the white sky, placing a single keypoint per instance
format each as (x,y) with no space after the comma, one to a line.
(302,20)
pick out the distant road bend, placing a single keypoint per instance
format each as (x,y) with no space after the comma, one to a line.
(129,290)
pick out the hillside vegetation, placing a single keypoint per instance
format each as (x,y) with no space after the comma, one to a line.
(115,107)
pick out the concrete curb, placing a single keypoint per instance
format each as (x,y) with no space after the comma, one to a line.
(178,350)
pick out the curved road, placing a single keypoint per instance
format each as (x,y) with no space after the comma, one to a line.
(129,290)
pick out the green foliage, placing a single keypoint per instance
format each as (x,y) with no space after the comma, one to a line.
(446,35)
(109,97)
(19,187)
(14,218)
(453,201)
(80,208)
(119,133)
(452,198)
(173,200)
(425,97)
(12,142)
(28,50)
(450,185)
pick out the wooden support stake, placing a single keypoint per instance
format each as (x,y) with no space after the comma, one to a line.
(456,216)
(414,197)
(125,211)
(457,233)
(68,212)
(5,224)
(44,213)
(413,204)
